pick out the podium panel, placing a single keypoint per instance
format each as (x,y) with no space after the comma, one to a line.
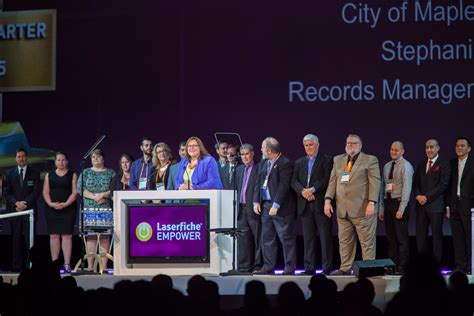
(185,257)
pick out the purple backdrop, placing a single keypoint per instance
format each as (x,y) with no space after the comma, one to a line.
(172,69)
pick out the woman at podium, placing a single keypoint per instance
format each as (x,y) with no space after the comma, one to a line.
(198,170)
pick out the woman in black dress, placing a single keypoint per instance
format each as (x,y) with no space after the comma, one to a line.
(60,192)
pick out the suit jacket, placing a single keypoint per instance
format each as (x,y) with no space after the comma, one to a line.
(364,185)
(432,184)
(319,180)
(15,192)
(151,185)
(250,186)
(466,202)
(278,184)
(224,172)
(205,176)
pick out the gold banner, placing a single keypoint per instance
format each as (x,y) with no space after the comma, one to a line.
(28,50)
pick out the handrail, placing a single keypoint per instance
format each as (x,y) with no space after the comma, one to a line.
(29,212)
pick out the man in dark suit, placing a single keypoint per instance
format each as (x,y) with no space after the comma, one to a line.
(429,186)
(249,254)
(460,200)
(274,202)
(227,172)
(22,187)
(221,150)
(310,181)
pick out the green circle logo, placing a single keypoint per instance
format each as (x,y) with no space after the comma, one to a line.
(144,231)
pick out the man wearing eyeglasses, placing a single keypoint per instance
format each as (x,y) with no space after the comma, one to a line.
(354,185)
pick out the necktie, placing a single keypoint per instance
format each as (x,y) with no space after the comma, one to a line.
(349,165)
(21,176)
(390,174)
(390,177)
(430,164)
(231,172)
(244,186)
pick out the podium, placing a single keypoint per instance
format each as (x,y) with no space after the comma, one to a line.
(220,246)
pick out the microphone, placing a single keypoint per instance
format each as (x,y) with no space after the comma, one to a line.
(185,170)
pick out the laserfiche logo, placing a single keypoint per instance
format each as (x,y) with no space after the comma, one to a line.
(144,231)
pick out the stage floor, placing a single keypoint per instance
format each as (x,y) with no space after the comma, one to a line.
(232,288)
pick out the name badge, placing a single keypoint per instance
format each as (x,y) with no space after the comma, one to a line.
(142,184)
(160,187)
(389,186)
(345,177)
(265,184)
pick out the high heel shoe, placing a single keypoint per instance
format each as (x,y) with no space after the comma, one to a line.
(67,268)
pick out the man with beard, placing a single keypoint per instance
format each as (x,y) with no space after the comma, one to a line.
(430,182)
(141,167)
(355,185)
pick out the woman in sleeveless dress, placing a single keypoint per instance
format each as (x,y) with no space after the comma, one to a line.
(60,192)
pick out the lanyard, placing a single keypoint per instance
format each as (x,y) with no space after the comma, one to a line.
(163,176)
(271,167)
(146,171)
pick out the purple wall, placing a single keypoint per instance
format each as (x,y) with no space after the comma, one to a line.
(169,70)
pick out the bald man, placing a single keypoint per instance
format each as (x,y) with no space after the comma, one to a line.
(275,203)
(429,186)
(395,194)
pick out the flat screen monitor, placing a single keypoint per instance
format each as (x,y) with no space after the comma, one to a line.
(168,233)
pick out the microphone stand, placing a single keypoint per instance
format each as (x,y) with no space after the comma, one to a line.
(233,232)
(82,233)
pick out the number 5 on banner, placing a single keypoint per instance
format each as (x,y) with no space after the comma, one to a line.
(3,67)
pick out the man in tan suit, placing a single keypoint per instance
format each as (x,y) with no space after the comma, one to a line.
(355,184)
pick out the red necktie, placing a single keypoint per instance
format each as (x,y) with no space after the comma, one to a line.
(430,164)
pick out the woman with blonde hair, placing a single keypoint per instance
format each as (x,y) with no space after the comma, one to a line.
(162,160)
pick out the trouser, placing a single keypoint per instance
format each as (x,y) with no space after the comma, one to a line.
(347,229)
(284,228)
(396,231)
(316,222)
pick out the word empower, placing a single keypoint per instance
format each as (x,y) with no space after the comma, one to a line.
(181,231)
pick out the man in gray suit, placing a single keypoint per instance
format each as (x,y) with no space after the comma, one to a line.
(355,185)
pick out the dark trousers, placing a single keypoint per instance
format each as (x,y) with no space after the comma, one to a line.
(249,253)
(284,228)
(396,231)
(20,242)
(462,242)
(424,220)
(314,222)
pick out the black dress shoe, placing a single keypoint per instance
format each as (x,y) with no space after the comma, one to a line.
(262,272)
(326,272)
(308,272)
(288,272)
